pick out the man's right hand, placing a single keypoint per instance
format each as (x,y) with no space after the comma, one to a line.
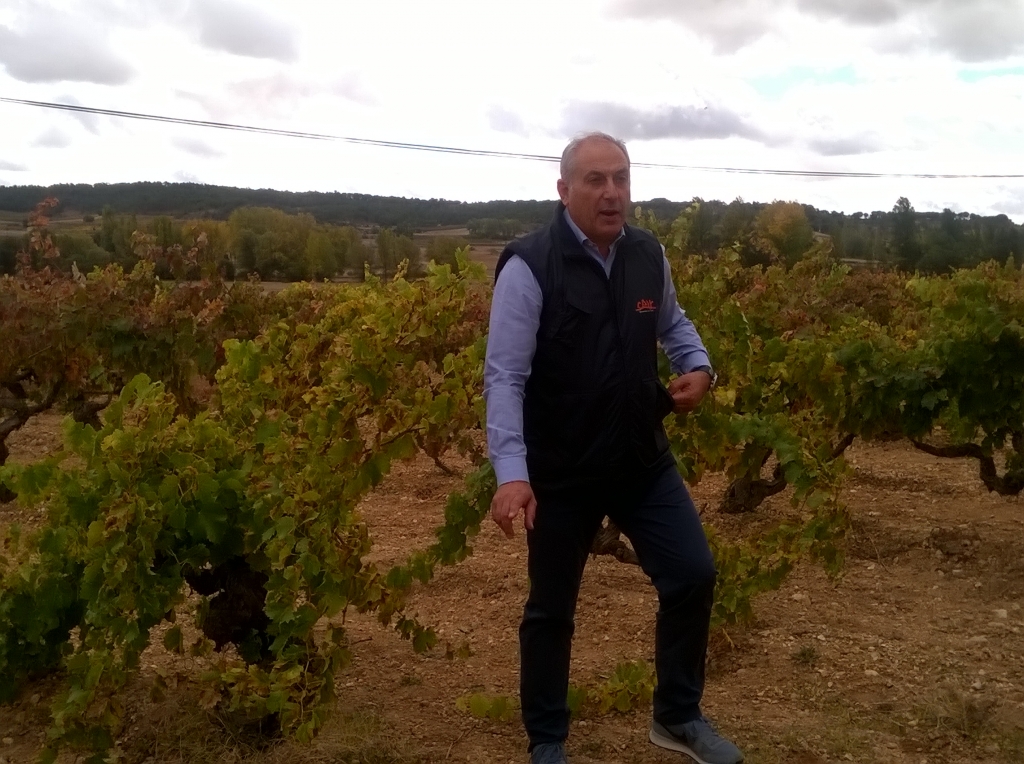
(508,500)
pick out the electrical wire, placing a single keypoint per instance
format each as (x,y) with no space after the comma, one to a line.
(480,152)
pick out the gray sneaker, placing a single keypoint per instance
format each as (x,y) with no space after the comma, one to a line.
(698,740)
(549,753)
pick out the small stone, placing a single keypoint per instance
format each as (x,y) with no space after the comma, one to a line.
(870,672)
(798,597)
(1001,613)
(35,699)
(978,640)
(977,685)
(8,741)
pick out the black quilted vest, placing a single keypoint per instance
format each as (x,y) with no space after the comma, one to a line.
(594,403)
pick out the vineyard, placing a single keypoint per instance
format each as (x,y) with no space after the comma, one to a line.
(257,497)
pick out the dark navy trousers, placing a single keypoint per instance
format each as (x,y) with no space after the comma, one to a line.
(660,520)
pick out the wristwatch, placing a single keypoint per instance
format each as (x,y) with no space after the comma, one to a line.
(711,373)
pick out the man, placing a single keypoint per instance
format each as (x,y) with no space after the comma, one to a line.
(574,410)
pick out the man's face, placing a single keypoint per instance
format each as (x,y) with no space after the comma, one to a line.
(597,193)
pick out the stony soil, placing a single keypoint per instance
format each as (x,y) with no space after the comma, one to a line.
(915,654)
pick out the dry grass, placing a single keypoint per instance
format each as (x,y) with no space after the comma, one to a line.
(954,712)
(182,733)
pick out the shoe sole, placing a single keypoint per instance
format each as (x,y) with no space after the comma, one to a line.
(671,744)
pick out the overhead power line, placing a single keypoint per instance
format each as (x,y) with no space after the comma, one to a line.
(478,152)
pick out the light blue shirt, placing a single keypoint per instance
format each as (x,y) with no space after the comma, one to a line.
(515,319)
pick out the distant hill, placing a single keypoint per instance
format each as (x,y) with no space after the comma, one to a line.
(193,200)
(930,241)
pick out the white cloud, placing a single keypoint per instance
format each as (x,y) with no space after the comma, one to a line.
(981,30)
(845,145)
(632,123)
(244,30)
(728,26)
(863,85)
(53,47)
(197,147)
(351,87)
(278,95)
(505,121)
(12,166)
(90,122)
(52,139)
(1011,204)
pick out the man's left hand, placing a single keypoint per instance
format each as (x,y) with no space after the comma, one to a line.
(687,390)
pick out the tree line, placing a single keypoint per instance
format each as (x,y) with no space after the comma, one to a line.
(260,241)
(194,200)
(295,236)
(929,242)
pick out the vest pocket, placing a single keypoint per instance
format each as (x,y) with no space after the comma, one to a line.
(574,350)
(665,403)
(572,321)
(652,404)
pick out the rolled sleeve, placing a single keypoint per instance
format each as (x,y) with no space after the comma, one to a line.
(512,341)
(677,334)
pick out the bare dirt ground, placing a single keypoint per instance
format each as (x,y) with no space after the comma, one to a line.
(488,254)
(915,655)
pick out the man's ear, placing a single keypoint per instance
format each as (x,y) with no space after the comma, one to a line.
(563,190)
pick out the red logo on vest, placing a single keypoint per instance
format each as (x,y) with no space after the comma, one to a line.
(645,306)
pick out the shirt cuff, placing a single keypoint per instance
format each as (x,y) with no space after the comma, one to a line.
(510,468)
(691,361)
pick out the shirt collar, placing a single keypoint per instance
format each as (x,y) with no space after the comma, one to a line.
(582,237)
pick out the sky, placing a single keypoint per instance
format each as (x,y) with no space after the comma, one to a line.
(892,86)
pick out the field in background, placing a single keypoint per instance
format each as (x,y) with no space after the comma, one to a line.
(482,250)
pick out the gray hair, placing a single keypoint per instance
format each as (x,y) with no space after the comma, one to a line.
(568,163)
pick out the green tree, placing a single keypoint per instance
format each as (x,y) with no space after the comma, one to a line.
(904,244)
(387,251)
(945,247)
(79,248)
(10,246)
(442,249)
(115,236)
(702,239)
(354,256)
(320,260)
(272,241)
(783,232)
(167,232)
(408,250)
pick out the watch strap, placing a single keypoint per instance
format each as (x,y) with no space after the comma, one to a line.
(710,372)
